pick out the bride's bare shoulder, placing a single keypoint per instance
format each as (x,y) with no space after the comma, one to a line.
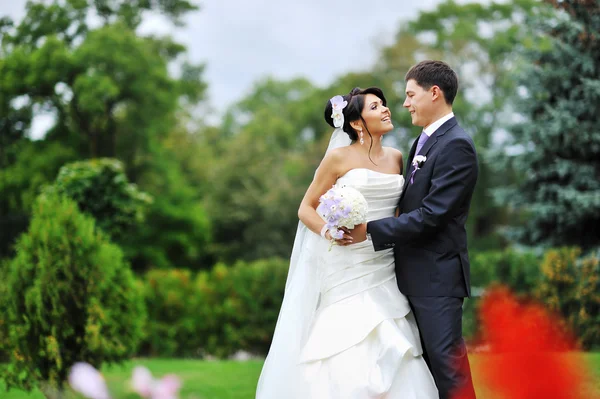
(394,152)
(334,159)
(337,154)
(396,155)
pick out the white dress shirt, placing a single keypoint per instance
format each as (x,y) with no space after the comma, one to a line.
(429,130)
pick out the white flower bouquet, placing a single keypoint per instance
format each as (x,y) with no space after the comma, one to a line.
(342,206)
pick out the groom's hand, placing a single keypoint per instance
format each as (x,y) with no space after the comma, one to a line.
(358,233)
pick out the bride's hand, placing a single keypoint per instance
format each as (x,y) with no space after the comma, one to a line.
(345,240)
(357,234)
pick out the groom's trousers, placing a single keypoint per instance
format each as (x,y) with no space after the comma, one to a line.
(440,324)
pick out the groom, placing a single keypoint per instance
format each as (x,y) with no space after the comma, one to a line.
(429,236)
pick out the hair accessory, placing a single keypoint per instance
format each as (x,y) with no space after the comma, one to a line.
(337,105)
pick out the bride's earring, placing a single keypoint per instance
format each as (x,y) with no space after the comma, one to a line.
(362,141)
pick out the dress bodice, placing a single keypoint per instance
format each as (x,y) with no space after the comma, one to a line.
(381,190)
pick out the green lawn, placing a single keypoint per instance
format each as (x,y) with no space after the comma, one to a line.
(220,379)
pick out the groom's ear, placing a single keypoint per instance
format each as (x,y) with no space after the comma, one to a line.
(436,93)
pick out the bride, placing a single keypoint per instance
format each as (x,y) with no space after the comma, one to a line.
(344,329)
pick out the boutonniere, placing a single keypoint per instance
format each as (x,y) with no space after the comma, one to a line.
(417,163)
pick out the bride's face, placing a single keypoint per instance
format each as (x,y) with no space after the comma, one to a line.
(377,116)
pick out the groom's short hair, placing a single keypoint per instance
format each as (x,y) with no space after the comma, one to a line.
(435,73)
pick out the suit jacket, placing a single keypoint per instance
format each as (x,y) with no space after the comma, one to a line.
(429,237)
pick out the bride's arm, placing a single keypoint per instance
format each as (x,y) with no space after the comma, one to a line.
(325,177)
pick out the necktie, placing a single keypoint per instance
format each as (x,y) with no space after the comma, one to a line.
(422,139)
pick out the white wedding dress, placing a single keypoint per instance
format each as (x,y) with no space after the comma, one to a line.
(358,339)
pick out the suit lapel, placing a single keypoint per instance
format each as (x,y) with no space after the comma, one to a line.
(408,169)
(450,123)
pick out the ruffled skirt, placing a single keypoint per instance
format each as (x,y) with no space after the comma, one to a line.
(364,342)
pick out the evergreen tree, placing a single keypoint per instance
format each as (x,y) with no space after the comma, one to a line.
(69,296)
(560,136)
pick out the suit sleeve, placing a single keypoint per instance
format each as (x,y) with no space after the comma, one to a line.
(453,179)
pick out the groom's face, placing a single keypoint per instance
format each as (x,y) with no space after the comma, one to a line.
(419,103)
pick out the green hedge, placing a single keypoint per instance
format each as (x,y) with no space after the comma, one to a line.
(217,312)
(233,308)
(517,269)
(173,318)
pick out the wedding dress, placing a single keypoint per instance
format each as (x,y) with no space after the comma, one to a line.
(345,331)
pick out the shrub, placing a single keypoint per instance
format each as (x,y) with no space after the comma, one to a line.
(571,287)
(219,312)
(101,189)
(517,269)
(238,306)
(172,327)
(3,305)
(70,296)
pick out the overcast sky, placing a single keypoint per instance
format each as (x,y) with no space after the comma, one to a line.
(244,40)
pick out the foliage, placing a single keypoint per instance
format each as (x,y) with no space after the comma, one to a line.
(571,287)
(216,312)
(100,189)
(480,42)
(239,305)
(4,343)
(71,297)
(511,267)
(178,230)
(33,165)
(261,171)
(172,326)
(560,157)
(517,269)
(112,95)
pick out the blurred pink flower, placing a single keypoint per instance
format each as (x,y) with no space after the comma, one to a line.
(88,381)
(141,381)
(145,386)
(167,387)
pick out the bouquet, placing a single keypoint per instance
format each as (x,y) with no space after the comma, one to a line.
(342,206)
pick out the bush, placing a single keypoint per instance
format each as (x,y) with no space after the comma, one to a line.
(3,305)
(519,270)
(571,287)
(101,189)
(172,327)
(219,312)
(70,297)
(239,305)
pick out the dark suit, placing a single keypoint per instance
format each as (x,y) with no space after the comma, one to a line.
(430,242)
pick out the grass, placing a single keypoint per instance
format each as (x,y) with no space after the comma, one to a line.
(225,379)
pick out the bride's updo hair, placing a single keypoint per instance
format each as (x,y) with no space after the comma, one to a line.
(352,111)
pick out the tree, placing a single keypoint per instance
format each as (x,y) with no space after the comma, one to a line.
(479,41)
(33,164)
(70,297)
(263,163)
(112,94)
(101,189)
(559,137)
